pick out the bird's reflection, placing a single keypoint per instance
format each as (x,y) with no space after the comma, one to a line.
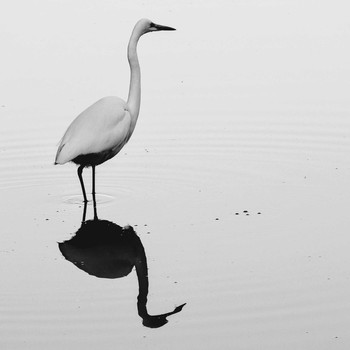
(106,250)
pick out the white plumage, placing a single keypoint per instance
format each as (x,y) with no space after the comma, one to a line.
(101,131)
(105,126)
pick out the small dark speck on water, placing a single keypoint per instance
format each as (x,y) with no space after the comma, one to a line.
(47,219)
(245,211)
(216,219)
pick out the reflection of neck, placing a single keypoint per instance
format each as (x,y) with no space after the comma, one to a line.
(142,276)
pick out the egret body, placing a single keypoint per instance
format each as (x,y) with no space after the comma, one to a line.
(101,131)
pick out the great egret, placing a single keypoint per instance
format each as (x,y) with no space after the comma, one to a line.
(101,131)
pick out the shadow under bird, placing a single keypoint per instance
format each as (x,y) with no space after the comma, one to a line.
(101,131)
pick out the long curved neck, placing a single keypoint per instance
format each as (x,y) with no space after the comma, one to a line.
(134,98)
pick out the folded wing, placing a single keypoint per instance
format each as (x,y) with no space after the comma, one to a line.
(104,126)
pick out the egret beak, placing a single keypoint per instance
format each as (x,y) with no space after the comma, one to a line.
(160,27)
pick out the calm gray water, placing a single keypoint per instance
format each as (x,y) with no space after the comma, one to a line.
(236,180)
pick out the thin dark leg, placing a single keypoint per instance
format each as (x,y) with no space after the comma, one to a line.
(84,213)
(94,192)
(80,171)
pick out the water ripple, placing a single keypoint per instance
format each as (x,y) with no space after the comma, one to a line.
(174,155)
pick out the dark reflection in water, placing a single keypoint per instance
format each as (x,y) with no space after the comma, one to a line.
(106,250)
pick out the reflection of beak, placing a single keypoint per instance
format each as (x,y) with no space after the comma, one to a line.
(160,27)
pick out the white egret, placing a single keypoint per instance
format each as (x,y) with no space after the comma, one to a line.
(101,131)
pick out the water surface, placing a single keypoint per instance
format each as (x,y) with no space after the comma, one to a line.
(235,181)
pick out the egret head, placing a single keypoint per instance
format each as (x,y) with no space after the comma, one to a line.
(145,26)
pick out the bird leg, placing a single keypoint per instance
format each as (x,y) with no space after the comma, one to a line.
(80,171)
(94,192)
(84,213)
